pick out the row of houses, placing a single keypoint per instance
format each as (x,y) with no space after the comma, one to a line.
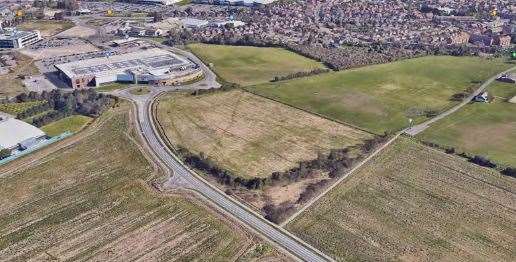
(152,31)
(235,2)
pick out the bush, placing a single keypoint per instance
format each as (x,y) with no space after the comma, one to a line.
(510,171)
(482,161)
(450,150)
(4,153)
(278,213)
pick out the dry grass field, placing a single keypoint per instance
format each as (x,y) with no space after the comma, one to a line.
(413,203)
(46,27)
(250,135)
(12,83)
(91,202)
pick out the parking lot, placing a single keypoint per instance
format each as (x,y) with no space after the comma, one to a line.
(51,48)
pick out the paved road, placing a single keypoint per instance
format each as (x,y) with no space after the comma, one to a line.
(184,176)
(423,126)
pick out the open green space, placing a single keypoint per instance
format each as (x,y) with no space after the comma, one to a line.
(92,202)
(245,65)
(112,87)
(72,124)
(414,203)
(383,97)
(485,129)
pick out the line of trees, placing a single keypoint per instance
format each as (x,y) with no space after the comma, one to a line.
(312,72)
(475,159)
(335,163)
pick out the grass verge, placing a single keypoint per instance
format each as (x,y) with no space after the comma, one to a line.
(72,124)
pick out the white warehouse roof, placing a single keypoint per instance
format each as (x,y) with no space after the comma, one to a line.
(150,59)
(14,132)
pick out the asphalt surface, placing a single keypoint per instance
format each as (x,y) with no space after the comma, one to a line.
(184,177)
(423,126)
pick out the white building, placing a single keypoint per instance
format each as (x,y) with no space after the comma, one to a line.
(15,133)
(12,38)
(194,22)
(234,23)
(153,66)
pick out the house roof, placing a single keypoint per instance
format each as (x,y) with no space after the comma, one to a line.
(14,131)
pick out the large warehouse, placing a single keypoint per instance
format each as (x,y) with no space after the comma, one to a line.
(153,66)
(15,133)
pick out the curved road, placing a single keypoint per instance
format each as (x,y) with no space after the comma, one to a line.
(185,177)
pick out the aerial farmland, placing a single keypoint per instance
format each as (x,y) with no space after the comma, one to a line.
(253,138)
(92,202)
(413,202)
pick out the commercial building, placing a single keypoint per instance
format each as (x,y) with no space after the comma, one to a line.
(12,38)
(152,66)
(16,134)
(194,22)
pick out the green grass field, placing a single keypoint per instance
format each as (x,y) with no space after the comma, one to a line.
(246,65)
(112,87)
(414,203)
(481,129)
(73,124)
(381,97)
(91,202)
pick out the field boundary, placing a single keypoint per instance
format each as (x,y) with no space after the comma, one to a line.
(336,183)
(311,112)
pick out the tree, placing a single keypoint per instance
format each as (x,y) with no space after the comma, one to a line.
(157,16)
(4,153)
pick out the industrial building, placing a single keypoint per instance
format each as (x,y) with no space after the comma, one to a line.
(16,134)
(152,66)
(14,39)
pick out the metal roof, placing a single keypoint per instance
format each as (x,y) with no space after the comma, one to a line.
(150,59)
(14,132)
